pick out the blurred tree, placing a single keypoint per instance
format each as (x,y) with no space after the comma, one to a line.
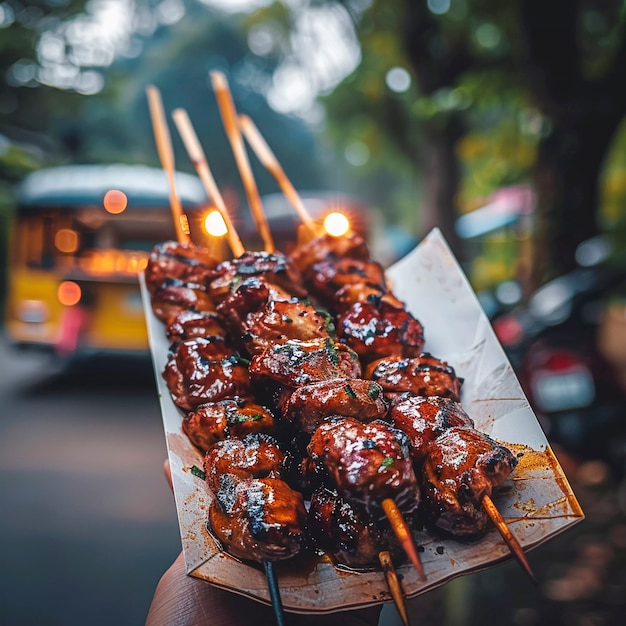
(552,68)
(28,102)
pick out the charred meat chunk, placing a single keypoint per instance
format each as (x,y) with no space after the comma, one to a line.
(226,419)
(205,370)
(295,363)
(255,456)
(347,534)
(187,263)
(328,277)
(191,324)
(277,321)
(309,405)
(260,519)
(174,296)
(460,467)
(328,248)
(424,375)
(365,462)
(275,269)
(424,418)
(376,328)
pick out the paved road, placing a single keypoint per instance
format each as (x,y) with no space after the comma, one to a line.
(87,524)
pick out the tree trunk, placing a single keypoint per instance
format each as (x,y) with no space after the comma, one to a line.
(441,172)
(568,184)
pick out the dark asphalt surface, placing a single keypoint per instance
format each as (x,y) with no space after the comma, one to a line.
(87,524)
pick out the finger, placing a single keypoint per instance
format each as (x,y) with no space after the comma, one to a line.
(168,473)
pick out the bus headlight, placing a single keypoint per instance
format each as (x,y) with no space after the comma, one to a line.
(336,224)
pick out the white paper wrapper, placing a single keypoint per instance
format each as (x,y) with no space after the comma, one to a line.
(537,501)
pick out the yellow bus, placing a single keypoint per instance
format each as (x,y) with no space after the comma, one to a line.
(79,237)
(81,234)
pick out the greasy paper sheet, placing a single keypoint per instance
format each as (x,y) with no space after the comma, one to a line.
(537,501)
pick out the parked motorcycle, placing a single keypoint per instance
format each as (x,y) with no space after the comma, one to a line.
(569,352)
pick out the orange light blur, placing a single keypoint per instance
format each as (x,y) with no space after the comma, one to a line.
(69,293)
(214,224)
(66,240)
(115,201)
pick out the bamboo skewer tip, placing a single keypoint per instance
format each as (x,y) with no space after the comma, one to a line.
(509,538)
(403,533)
(391,577)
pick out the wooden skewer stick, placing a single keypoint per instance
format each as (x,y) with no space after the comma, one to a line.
(198,158)
(509,538)
(229,119)
(271,164)
(166,156)
(403,533)
(272,584)
(393,583)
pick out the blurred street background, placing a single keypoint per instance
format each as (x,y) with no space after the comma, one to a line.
(503,124)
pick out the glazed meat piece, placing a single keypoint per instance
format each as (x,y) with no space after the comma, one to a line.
(277,321)
(309,405)
(226,419)
(377,328)
(175,296)
(275,269)
(205,370)
(424,418)
(255,456)
(185,262)
(295,363)
(348,535)
(328,248)
(190,324)
(260,519)
(247,297)
(461,466)
(345,297)
(329,276)
(365,462)
(424,375)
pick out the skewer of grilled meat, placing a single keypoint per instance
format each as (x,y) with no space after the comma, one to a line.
(457,493)
(461,466)
(370,466)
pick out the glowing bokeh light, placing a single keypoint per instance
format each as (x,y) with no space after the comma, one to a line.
(69,293)
(115,201)
(66,240)
(336,224)
(214,224)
